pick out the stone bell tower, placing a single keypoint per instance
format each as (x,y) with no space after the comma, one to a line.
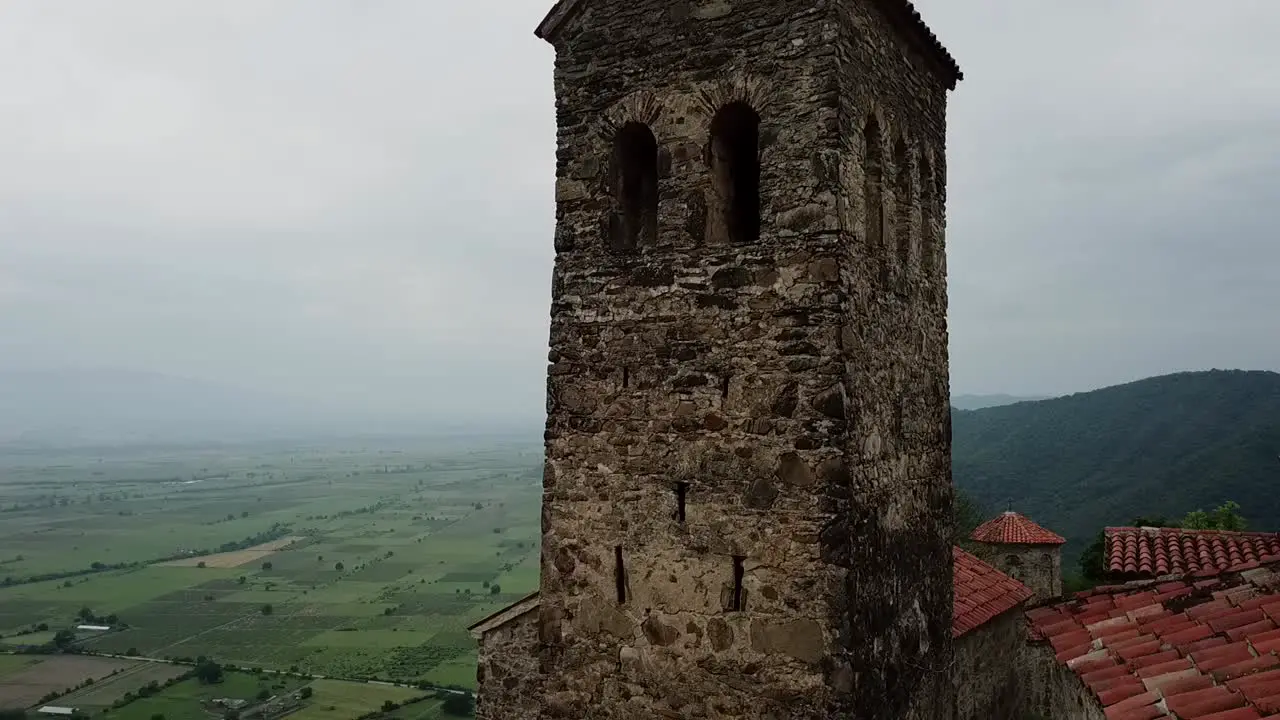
(747,491)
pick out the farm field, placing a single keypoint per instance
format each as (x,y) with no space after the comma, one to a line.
(357,560)
(10,664)
(106,691)
(39,637)
(334,699)
(235,558)
(55,674)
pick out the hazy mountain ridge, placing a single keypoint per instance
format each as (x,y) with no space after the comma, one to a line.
(67,408)
(978,402)
(1164,445)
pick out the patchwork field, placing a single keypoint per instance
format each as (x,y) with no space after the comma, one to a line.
(26,686)
(12,664)
(270,695)
(105,692)
(236,558)
(334,700)
(344,562)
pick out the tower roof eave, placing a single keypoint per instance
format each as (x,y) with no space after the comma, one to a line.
(900,12)
(546,29)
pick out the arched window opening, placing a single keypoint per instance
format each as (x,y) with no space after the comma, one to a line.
(635,153)
(872,184)
(735,172)
(903,199)
(928,244)
(1013,566)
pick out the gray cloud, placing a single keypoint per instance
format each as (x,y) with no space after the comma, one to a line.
(353,201)
(336,199)
(1111,174)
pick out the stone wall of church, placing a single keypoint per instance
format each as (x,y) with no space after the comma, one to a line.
(508,677)
(988,675)
(1051,691)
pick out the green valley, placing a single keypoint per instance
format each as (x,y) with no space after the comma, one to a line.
(365,560)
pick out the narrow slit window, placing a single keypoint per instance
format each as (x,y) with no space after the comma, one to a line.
(619,574)
(724,387)
(739,571)
(635,152)
(735,171)
(626,377)
(682,493)
(873,189)
(902,200)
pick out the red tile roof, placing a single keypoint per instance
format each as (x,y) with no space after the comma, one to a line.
(1153,552)
(981,592)
(1189,648)
(1010,528)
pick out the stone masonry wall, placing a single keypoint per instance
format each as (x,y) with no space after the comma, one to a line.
(507,672)
(792,388)
(1051,691)
(1039,567)
(895,346)
(988,674)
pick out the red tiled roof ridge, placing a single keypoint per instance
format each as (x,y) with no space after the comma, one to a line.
(1187,531)
(1160,552)
(980,592)
(1011,528)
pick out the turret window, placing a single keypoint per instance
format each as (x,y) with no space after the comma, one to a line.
(735,173)
(635,153)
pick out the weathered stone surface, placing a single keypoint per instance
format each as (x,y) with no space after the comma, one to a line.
(773,341)
(800,639)
(659,633)
(793,470)
(989,677)
(785,403)
(1050,689)
(761,494)
(720,633)
(507,670)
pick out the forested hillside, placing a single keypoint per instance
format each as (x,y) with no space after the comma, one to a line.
(1161,446)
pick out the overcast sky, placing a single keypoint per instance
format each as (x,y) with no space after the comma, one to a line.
(353,200)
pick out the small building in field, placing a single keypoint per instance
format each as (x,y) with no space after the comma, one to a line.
(57,710)
(1023,550)
(94,628)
